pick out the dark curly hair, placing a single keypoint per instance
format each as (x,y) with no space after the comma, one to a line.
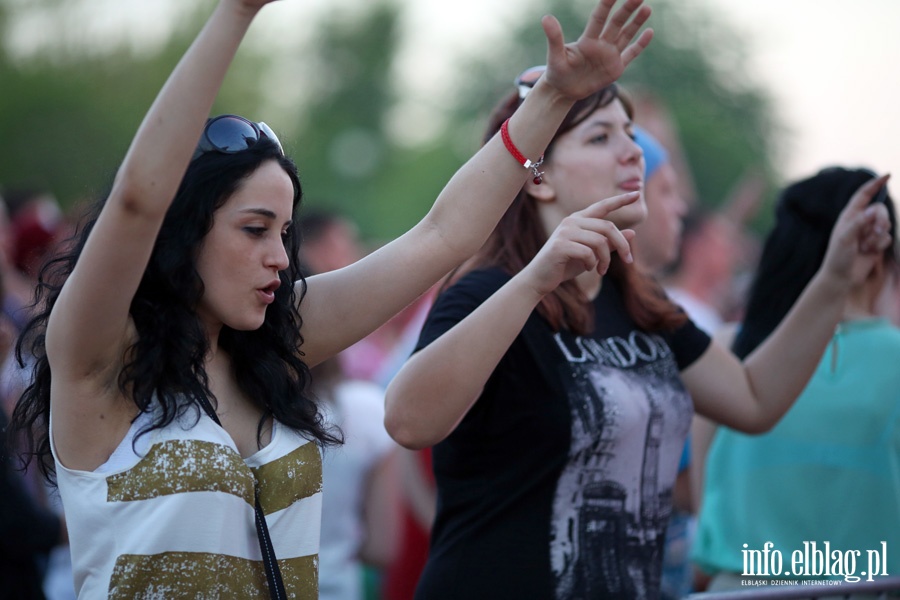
(165,366)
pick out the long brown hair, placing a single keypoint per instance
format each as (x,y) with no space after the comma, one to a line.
(520,235)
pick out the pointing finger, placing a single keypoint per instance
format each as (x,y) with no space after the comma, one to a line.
(600,209)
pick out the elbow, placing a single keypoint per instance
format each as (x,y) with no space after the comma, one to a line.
(136,195)
(759,425)
(416,416)
(453,242)
(405,432)
(405,426)
(764,424)
(756,428)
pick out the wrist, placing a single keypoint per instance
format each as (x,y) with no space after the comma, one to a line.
(533,166)
(530,287)
(832,284)
(551,96)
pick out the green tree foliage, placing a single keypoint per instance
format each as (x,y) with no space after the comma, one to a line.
(347,160)
(68,112)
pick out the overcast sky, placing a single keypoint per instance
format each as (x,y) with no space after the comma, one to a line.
(833,67)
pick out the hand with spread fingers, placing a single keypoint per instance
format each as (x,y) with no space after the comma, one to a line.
(600,56)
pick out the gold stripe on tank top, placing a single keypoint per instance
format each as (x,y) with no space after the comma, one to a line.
(205,575)
(294,476)
(181,466)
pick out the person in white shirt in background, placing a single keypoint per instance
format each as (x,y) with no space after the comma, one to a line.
(360,481)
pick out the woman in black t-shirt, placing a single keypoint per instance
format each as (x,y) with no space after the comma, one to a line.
(557,383)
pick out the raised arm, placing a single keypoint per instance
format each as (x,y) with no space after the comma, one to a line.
(343,306)
(89,328)
(460,362)
(752,396)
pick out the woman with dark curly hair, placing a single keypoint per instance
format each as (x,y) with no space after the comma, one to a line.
(171,361)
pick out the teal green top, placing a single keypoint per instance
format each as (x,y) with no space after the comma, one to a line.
(828,471)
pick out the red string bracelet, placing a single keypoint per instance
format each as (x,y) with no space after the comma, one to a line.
(520,158)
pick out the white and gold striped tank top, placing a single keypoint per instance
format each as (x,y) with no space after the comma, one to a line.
(172,517)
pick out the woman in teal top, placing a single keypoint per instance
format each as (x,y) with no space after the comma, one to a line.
(823,486)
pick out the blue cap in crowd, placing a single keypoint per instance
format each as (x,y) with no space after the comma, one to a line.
(654,154)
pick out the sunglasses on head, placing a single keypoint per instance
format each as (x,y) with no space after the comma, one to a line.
(526,80)
(229,134)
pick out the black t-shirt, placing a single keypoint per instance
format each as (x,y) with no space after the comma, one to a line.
(557,484)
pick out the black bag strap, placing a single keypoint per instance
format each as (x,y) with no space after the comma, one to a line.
(273,573)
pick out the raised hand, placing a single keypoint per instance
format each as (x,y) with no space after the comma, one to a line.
(859,237)
(600,55)
(583,241)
